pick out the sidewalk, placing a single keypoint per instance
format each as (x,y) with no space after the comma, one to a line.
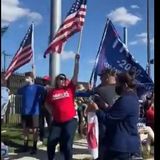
(80,152)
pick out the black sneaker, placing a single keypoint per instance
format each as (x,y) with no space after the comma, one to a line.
(21,150)
(33,151)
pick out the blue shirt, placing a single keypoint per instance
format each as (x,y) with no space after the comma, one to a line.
(32,98)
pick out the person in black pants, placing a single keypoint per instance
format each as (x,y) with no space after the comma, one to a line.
(105,94)
(44,114)
(123,141)
(60,104)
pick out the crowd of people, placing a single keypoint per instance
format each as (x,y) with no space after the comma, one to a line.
(122,117)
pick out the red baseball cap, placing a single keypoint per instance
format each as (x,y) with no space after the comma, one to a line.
(47,78)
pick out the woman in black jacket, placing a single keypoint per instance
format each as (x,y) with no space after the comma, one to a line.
(121,121)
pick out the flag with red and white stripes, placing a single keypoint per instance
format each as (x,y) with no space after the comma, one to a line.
(93,134)
(23,55)
(73,23)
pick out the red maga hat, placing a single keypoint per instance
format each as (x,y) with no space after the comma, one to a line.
(47,78)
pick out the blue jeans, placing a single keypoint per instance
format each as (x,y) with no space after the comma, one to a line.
(62,133)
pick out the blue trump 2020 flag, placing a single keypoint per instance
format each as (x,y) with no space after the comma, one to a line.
(113,53)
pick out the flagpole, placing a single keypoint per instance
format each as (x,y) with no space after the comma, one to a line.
(148,69)
(33,58)
(100,46)
(80,41)
(125,36)
(55,22)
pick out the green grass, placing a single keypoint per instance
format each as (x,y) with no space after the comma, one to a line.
(13,137)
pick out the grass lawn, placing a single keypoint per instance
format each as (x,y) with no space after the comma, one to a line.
(13,137)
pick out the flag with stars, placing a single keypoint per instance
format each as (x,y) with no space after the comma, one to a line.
(113,53)
(23,55)
(73,23)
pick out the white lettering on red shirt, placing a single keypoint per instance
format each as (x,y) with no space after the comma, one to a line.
(60,95)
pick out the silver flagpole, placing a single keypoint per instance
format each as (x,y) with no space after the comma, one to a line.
(125,36)
(55,21)
(148,42)
(80,40)
(33,58)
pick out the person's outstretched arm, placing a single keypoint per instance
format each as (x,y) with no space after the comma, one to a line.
(76,69)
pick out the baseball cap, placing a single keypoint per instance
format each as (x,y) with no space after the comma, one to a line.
(29,74)
(47,78)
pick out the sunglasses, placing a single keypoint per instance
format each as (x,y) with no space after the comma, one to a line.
(62,78)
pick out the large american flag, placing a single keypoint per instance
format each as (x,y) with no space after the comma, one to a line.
(23,55)
(73,23)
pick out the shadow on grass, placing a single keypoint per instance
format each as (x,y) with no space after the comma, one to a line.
(80,152)
(11,143)
(41,155)
(81,144)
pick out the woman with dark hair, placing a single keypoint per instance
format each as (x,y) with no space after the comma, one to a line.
(122,139)
(60,104)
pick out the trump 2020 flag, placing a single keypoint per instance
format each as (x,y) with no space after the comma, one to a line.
(93,134)
(73,23)
(113,53)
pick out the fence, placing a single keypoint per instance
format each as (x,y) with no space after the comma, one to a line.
(15,81)
(12,115)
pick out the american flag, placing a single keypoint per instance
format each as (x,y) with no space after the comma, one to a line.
(23,55)
(73,23)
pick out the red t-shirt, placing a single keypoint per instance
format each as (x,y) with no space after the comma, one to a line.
(62,103)
(150,117)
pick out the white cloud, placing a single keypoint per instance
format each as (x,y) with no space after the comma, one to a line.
(134,6)
(34,17)
(122,16)
(66,55)
(133,43)
(142,35)
(91,61)
(142,39)
(11,12)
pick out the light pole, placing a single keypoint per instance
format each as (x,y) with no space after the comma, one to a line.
(55,21)
(125,35)
(4,59)
(148,68)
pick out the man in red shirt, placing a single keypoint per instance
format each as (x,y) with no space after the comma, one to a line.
(60,104)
